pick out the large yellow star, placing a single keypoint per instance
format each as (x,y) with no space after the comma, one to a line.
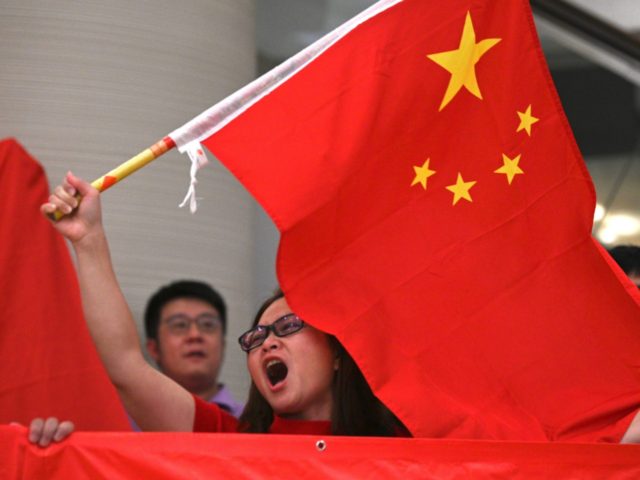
(526,120)
(461,63)
(510,167)
(422,174)
(461,189)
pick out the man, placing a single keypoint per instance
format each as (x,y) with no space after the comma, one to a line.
(628,257)
(185,324)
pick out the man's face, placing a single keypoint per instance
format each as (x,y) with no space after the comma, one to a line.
(190,343)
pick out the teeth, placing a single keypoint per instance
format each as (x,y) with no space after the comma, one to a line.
(272,362)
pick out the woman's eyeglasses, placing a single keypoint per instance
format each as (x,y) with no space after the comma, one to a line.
(282,327)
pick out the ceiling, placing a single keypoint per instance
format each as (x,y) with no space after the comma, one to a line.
(607,130)
(284,27)
(625,14)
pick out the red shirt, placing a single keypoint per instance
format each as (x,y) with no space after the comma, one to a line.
(211,418)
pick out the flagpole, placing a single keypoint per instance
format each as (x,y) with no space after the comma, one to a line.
(127,168)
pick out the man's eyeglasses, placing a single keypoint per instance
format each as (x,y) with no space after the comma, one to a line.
(180,324)
(282,327)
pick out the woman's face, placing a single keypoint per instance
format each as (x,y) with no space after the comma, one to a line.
(294,373)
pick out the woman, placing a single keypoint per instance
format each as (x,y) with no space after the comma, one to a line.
(303,381)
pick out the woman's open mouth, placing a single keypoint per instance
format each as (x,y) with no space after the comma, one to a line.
(276,371)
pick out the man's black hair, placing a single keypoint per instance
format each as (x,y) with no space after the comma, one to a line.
(181,289)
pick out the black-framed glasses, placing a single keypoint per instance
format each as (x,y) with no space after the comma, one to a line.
(285,325)
(180,323)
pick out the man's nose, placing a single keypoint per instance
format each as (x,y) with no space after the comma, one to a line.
(194,330)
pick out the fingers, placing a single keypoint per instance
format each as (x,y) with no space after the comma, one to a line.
(66,196)
(63,197)
(63,431)
(82,187)
(43,432)
(49,429)
(35,430)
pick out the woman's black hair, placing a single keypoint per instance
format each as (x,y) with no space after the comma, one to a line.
(355,409)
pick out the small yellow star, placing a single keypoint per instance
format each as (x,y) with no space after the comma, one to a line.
(510,167)
(526,120)
(461,189)
(461,63)
(422,174)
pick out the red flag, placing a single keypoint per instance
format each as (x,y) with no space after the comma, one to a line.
(49,366)
(435,215)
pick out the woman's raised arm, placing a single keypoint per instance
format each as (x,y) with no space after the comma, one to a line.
(156,402)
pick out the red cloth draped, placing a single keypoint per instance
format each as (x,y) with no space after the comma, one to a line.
(49,366)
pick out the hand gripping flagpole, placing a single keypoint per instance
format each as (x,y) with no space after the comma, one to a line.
(125,169)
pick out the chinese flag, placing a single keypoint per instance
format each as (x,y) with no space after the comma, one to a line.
(49,366)
(435,216)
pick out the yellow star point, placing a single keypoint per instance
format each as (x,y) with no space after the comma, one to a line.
(422,174)
(526,120)
(510,167)
(461,189)
(461,63)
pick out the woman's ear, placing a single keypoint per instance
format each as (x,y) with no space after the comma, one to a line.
(336,363)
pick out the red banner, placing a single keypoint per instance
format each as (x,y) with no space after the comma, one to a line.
(185,455)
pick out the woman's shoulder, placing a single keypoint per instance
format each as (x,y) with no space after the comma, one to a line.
(209,417)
